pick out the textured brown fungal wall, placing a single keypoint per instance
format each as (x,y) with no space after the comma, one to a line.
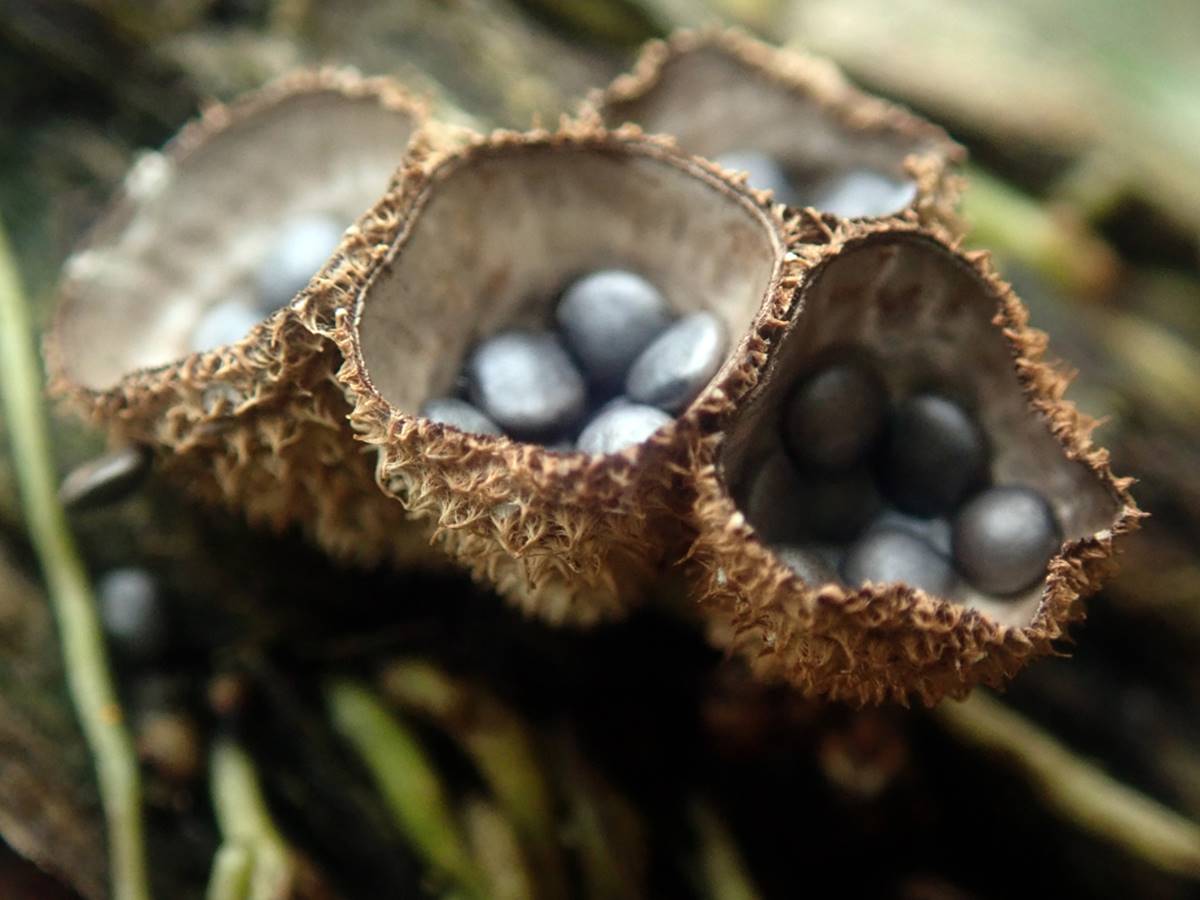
(931,313)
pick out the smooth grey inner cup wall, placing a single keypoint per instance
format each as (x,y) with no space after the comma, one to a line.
(499,236)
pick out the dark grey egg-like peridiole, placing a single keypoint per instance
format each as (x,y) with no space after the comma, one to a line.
(106,479)
(1004,538)
(607,319)
(459,413)
(836,414)
(525,382)
(621,425)
(809,564)
(936,532)
(935,454)
(786,505)
(884,555)
(132,613)
(678,363)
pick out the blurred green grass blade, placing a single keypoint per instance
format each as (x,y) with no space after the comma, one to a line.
(497,848)
(85,656)
(501,746)
(246,823)
(1077,789)
(721,870)
(410,784)
(230,876)
(1017,227)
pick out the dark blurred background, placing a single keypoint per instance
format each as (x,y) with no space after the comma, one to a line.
(1082,118)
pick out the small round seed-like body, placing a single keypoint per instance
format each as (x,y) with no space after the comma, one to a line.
(770,498)
(226,323)
(607,319)
(885,555)
(809,565)
(1004,538)
(836,414)
(862,192)
(106,479)
(838,506)
(936,532)
(301,248)
(460,414)
(525,383)
(788,507)
(678,363)
(763,172)
(132,613)
(935,454)
(621,426)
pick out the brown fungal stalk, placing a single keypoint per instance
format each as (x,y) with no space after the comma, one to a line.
(475,240)
(719,90)
(928,312)
(256,424)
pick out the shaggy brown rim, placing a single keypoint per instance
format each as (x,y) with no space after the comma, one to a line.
(927,311)
(719,90)
(482,238)
(258,425)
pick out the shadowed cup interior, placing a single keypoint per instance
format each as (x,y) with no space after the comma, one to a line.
(191,231)
(496,236)
(715,104)
(928,318)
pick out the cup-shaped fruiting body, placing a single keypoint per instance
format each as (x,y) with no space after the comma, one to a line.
(839,619)
(483,241)
(792,123)
(174,328)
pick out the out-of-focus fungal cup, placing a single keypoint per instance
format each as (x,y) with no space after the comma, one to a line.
(927,315)
(484,241)
(298,249)
(791,123)
(762,171)
(225,323)
(169,329)
(238,200)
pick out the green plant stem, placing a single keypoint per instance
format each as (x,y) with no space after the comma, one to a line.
(85,659)
(604,829)
(722,873)
(497,849)
(230,877)
(1076,788)
(499,743)
(1055,244)
(410,785)
(263,868)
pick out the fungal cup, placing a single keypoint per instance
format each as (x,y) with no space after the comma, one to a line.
(737,101)
(310,414)
(929,315)
(484,240)
(251,419)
